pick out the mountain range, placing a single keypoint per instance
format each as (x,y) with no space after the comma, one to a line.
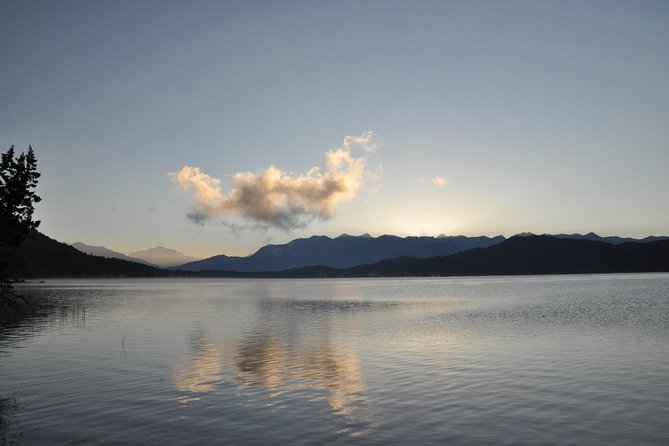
(101,251)
(611,239)
(40,257)
(159,256)
(519,255)
(344,251)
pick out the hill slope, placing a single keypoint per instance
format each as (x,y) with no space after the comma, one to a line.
(41,256)
(102,251)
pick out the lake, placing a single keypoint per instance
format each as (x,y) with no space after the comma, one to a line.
(492,360)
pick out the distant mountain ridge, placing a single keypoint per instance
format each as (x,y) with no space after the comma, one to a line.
(344,251)
(611,239)
(519,255)
(163,257)
(340,252)
(102,251)
(540,254)
(41,257)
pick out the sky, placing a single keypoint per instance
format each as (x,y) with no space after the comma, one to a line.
(217,127)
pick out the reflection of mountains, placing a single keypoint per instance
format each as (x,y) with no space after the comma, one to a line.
(293,352)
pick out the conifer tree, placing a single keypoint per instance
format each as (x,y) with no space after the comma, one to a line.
(18,179)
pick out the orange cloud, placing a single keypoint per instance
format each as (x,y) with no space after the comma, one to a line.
(439,181)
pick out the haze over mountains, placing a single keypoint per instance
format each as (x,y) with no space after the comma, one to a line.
(158,256)
(101,251)
(163,257)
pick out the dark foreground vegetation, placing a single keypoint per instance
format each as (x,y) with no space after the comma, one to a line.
(18,180)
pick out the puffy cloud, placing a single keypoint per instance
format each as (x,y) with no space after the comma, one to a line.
(272,197)
(439,181)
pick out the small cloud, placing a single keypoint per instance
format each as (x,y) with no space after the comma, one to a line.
(197,218)
(439,181)
(282,200)
(368,141)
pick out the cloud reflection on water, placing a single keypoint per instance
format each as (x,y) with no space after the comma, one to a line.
(305,345)
(307,363)
(308,347)
(200,375)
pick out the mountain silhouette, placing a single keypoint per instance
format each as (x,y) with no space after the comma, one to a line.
(41,257)
(344,251)
(163,257)
(102,251)
(611,239)
(519,255)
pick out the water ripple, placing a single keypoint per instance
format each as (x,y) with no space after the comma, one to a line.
(517,361)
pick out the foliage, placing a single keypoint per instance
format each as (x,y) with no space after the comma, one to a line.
(18,178)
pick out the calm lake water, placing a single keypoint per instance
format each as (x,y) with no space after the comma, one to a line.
(512,360)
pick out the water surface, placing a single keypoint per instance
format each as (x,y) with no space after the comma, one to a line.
(512,360)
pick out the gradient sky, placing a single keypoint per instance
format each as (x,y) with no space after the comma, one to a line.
(538,116)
